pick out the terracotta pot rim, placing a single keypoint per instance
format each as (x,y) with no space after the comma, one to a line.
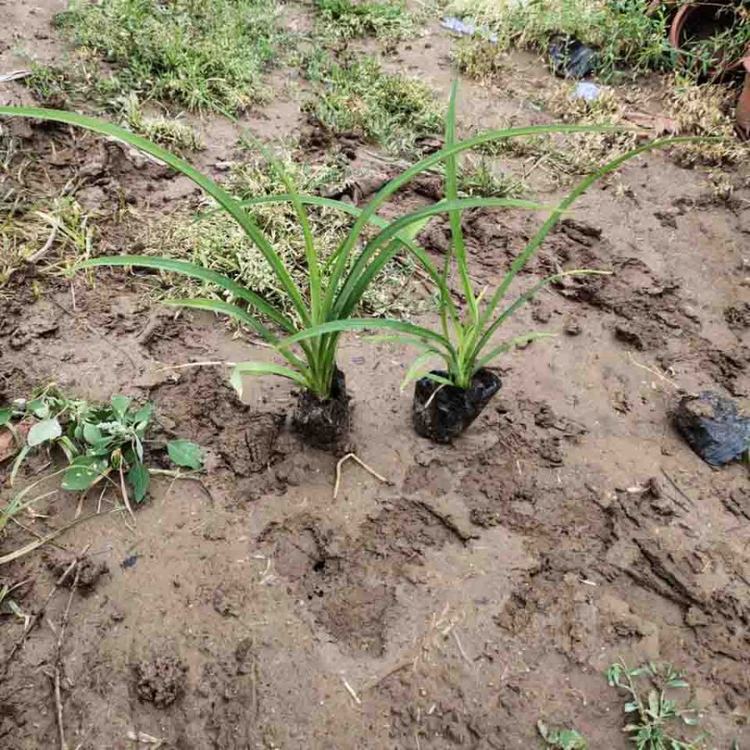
(675,32)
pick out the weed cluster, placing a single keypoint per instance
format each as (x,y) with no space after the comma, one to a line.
(561,739)
(653,713)
(357,96)
(479,58)
(167,131)
(54,233)
(96,439)
(198,54)
(706,110)
(622,32)
(346,19)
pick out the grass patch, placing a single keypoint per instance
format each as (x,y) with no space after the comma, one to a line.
(706,109)
(563,157)
(53,233)
(216,242)
(477,177)
(198,54)
(345,19)
(358,96)
(166,131)
(479,58)
(622,33)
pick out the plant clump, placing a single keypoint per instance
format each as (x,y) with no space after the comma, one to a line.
(356,96)
(705,110)
(167,131)
(53,233)
(198,54)
(480,58)
(346,19)
(96,439)
(218,243)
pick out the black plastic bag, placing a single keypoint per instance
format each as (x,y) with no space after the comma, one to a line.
(713,427)
(570,58)
(442,412)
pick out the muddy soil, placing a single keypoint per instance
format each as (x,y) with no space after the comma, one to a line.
(485,585)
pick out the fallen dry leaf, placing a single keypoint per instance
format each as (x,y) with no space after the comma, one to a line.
(9,443)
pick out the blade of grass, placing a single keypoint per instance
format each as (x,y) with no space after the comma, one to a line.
(191,269)
(225,308)
(358,324)
(536,241)
(458,245)
(225,200)
(264,368)
(430,161)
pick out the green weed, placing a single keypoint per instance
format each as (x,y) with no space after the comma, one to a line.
(54,233)
(477,177)
(96,439)
(562,739)
(701,56)
(198,54)
(653,713)
(358,96)
(346,19)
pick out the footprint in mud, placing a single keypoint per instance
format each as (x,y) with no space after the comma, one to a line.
(350,583)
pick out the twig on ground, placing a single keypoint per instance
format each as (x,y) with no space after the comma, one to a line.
(145,739)
(57,671)
(461,649)
(45,540)
(350,690)
(179,475)
(124,491)
(679,491)
(45,248)
(38,614)
(356,458)
(447,521)
(653,372)
(208,363)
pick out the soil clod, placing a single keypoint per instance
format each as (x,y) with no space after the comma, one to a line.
(160,680)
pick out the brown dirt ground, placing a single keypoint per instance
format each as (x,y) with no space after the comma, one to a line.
(488,584)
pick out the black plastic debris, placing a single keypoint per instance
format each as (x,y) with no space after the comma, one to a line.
(570,58)
(442,412)
(129,561)
(713,427)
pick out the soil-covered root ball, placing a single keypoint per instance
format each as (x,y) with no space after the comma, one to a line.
(324,423)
